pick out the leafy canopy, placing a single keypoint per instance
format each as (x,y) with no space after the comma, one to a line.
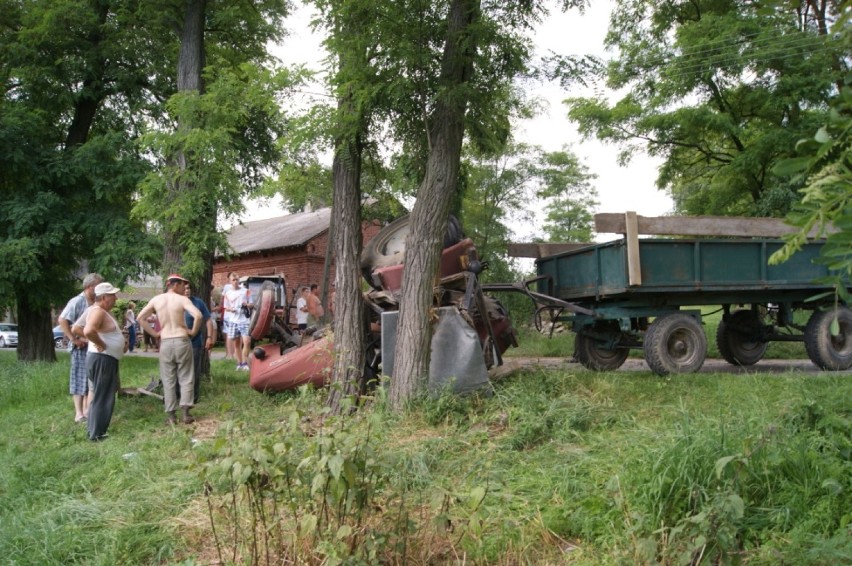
(721,90)
(824,167)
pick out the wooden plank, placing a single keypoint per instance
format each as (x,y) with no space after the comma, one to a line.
(542,249)
(144,391)
(634,269)
(609,222)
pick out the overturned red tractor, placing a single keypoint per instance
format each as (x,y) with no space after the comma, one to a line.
(470,331)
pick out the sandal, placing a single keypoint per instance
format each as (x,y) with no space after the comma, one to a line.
(80,419)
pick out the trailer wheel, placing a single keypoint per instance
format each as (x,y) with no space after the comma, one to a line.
(825,350)
(387,248)
(675,343)
(737,340)
(590,353)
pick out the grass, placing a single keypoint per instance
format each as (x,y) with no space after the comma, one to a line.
(554,468)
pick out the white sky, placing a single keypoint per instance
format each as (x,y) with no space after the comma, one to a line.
(620,189)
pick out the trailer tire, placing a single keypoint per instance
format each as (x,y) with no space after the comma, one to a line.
(826,351)
(387,248)
(735,338)
(593,357)
(675,343)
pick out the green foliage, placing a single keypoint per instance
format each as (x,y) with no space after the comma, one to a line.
(505,186)
(228,142)
(72,98)
(320,491)
(824,168)
(720,90)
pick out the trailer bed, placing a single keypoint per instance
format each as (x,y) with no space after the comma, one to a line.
(682,271)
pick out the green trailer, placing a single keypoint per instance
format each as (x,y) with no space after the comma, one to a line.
(645,293)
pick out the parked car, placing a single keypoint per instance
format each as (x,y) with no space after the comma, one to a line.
(8,335)
(59,340)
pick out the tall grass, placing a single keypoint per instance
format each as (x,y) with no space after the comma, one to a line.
(553,468)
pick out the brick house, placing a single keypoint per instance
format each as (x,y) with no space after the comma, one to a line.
(293,245)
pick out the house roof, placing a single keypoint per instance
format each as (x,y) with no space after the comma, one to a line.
(279,232)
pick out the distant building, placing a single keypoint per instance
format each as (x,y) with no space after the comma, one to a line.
(143,289)
(293,245)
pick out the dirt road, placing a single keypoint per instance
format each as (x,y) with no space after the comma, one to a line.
(638,364)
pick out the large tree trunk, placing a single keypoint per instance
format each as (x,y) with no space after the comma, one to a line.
(35,336)
(190,66)
(429,216)
(349,338)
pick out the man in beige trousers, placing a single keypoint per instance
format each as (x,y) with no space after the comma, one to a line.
(176,365)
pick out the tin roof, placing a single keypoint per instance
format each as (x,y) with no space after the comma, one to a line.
(279,232)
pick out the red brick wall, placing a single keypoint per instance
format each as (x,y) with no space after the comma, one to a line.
(299,265)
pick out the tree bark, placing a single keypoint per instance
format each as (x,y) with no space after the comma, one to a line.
(429,216)
(35,336)
(349,320)
(190,66)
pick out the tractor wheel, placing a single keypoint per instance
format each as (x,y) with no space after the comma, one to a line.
(387,248)
(738,340)
(830,351)
(594,356)
(675,343)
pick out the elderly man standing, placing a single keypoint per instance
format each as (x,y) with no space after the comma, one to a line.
(106,348)
(175,344)
(79,346)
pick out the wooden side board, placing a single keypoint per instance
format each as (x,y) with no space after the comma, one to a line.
(616,223)
(542,249)
(632,226)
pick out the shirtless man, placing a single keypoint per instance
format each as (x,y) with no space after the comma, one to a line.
(175,347)
(105,348)
(315,311)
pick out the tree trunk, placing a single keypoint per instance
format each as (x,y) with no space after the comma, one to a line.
(429,216)
(35,334)
(191,57)
(190,66)
(349,337)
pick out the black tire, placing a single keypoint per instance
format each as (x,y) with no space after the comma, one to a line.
(675,343)
(2,342)
(737,338)
(58,343)
(826,351)
(388,246)
(589,352)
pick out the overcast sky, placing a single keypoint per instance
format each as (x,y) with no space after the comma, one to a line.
(619,188)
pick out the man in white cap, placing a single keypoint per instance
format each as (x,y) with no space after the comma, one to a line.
(175,347)
(72,311)
(106,347)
